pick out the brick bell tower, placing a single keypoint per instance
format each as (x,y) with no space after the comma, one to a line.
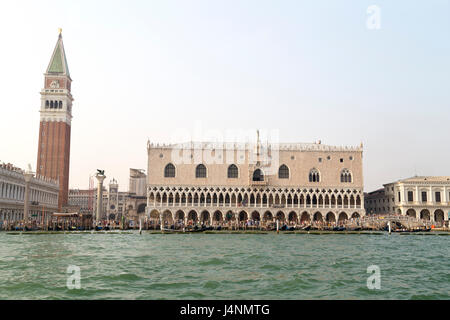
(56,116)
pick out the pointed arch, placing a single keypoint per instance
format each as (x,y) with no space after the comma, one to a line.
(314,175)
(167,217)
(342,217)
(179,215)
(258,199)
(169,171)
(281,216)
(256,216)
(233,199)
(283,172)
(252,199)
(233,172)
(243,216)
(330,217)
(318,217)
(305,217)
(230,216)
(205,216)
(200,171)
(258,175)
(293,217)
(268,216)
(264,199)
(218,216)
(192,215)
(346,176)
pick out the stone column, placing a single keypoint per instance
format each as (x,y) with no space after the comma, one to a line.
(418,197)
(444,198)
(28,176)
(100,178)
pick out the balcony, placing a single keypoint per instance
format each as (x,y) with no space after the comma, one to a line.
(258,183)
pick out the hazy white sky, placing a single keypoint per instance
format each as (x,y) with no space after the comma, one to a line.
(311,69)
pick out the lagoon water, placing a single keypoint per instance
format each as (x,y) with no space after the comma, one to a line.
(224,266)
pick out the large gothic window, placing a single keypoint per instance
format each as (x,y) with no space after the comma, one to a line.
(258,175)
(169,171)
(314,175)
(200,171)
(283,172)
(346,176)
(233,172)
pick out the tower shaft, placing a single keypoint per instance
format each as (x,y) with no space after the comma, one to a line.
(53,159)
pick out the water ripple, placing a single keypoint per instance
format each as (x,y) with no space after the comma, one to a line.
(225,266)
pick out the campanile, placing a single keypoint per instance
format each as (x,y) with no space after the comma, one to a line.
(55,123)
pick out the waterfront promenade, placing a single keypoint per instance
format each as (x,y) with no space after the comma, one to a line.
(365,224)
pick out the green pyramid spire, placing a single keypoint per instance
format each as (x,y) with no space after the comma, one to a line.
(58,62)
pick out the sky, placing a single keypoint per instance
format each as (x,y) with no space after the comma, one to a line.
(313,70)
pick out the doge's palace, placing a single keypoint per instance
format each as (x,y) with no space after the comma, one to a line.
(295,182)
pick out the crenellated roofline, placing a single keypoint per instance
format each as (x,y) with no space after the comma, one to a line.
(250,146)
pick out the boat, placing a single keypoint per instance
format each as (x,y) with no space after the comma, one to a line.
(422,230)
(196,229)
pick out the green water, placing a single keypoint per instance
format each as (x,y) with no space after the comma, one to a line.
(224,266)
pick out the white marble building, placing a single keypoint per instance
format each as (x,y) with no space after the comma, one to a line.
(43,195)
(426,198)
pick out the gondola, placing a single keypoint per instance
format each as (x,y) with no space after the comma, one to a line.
(422,230)
(196,229)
